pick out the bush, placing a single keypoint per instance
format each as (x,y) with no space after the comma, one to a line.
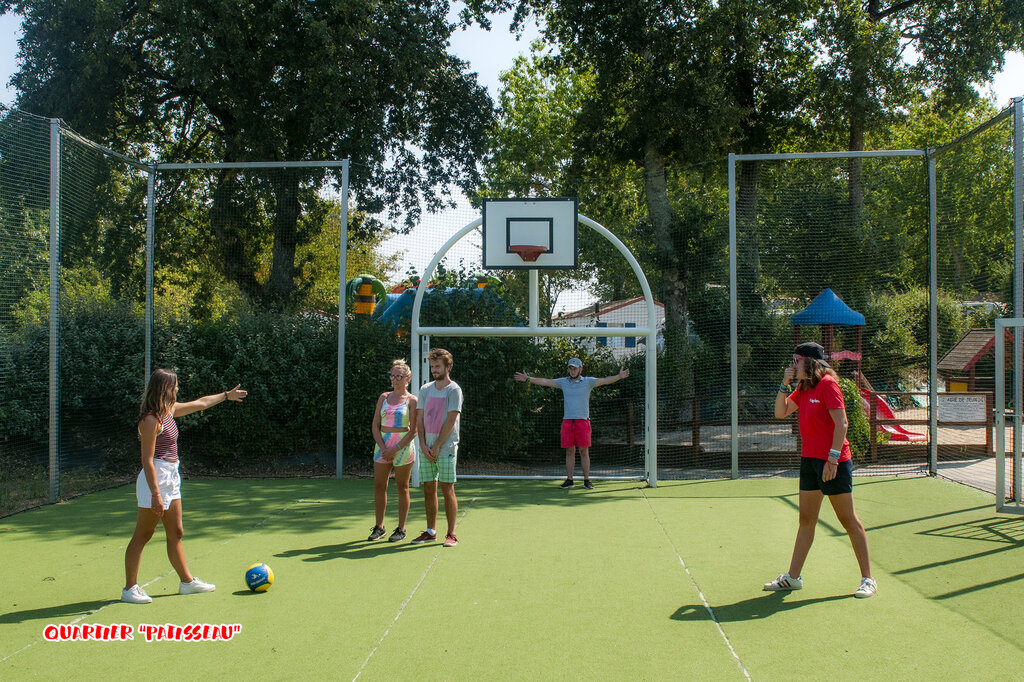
(896,346)
(287,363)
(858,431)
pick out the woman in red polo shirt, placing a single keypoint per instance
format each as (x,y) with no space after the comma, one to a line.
(826,466)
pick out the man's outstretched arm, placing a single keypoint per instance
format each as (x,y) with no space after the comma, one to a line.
(539,381)
(623,373)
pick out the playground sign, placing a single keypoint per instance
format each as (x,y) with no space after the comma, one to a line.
(961,407)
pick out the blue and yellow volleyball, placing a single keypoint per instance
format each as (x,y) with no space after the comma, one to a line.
(259,577)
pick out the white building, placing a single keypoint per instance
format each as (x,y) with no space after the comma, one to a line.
(628,313)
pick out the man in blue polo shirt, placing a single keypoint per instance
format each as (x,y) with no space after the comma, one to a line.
(576,416)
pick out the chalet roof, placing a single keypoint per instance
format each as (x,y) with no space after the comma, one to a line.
(828,308)
(603,308)
(971,347)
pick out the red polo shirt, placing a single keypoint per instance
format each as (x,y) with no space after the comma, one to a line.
(816,425)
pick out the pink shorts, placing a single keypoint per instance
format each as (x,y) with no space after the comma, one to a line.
(576,432)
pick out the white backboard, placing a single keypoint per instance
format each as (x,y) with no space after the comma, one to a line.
(546,222)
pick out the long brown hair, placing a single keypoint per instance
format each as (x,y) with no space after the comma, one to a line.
(158,399)
(817,371)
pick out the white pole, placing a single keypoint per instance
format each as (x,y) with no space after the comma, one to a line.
(1000,415)
(150,244)
(54,439)
(534,299)
(734,382)
(933,320)
(1018,292)
(339,417)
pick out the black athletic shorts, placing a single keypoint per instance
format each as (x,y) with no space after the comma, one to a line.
(811,469)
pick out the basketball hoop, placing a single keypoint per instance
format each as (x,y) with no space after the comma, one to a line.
(528,252)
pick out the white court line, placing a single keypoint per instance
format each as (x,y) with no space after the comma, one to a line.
(170,572)
(703,600)
(401,609)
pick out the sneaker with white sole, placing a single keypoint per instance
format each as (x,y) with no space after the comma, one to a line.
(423,537)
(376,534)
(784,583)
(135,595)
(195,587)
(867,588)
(450,540)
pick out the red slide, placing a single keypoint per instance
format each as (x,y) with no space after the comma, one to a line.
(883,411)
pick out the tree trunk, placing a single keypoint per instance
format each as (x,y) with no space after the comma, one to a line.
(231,238)
(281,284)
(859,77)
(668,249)
(753,139)
(749,266)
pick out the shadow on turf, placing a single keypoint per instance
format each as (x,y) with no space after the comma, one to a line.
(354,549)
(749,609)
(81,608)
(232,506)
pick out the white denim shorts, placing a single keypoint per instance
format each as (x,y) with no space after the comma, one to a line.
(167,480)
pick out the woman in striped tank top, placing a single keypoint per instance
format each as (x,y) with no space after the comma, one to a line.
(394,431)
(158,485)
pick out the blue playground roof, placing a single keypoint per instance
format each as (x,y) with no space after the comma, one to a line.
(828,308)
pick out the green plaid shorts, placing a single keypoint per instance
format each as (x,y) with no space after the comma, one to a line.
(443,469)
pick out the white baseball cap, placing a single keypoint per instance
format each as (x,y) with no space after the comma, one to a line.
(575,362)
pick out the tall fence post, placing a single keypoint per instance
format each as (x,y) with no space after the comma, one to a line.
(339,459)
(1018,287)
(734,380)
(54,440)
(150,245)
(933,317)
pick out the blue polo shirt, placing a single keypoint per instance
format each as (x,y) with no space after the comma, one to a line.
(576,396)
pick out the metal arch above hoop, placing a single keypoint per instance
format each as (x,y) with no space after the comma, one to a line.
(534,330)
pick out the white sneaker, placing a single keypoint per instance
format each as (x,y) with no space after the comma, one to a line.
(867,588)
(784,583)
(135,595)
(195,587)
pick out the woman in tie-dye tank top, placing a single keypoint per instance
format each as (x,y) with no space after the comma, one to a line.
(158,485)
(394,430)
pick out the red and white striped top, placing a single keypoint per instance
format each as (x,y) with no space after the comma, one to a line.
(167,440)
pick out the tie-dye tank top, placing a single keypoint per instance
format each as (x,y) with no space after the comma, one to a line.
(395,416)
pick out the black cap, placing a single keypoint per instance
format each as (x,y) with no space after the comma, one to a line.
(812,350)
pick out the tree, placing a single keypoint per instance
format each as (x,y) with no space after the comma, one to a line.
(973,192)
(676,84)
(318,259)
(530,152)
(871,71)
(289,80)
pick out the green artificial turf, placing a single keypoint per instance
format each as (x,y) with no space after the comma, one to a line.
(612,583)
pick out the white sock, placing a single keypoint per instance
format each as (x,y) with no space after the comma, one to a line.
(432,531)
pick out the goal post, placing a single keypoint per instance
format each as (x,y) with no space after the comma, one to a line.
(533,329)
(1008,501)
